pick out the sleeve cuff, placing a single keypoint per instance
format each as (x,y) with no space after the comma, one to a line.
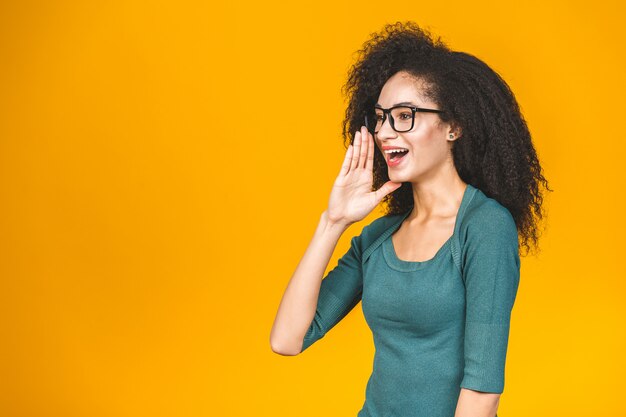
(485,357)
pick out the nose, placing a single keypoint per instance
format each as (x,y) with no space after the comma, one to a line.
(386,132)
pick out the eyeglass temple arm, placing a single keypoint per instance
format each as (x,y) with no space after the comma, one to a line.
(428,110)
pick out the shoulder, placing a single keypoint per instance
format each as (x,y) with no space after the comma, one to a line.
(485,217)
(488,237)
(376,228)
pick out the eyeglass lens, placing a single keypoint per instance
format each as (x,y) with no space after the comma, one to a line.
(402,119)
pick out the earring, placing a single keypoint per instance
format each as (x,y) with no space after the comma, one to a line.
(451,136)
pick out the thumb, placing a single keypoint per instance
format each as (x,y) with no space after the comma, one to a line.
(387,188)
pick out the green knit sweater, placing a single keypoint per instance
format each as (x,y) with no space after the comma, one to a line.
(438,325)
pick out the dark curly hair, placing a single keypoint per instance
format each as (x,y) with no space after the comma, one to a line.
(495,152)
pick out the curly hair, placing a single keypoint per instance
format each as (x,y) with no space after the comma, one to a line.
(495,152)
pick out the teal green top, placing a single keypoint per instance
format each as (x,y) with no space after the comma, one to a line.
(438,325)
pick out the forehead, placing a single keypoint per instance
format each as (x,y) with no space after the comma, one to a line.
(402,88)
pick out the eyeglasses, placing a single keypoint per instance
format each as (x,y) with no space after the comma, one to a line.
(402,117)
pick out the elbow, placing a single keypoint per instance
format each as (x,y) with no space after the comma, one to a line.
(285,349)
(480,402)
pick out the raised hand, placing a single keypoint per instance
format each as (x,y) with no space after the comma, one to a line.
(352,198)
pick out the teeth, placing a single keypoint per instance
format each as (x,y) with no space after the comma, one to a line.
(395,150)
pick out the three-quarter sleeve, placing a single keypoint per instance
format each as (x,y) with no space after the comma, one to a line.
(340,292)
(491,270)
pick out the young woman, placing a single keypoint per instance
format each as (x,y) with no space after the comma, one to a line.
(446,148)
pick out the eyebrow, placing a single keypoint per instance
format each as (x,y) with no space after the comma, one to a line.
(404,103)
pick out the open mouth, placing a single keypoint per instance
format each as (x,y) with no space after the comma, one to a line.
(395,155)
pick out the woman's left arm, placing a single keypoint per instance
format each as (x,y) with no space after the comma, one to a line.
(477,404)
(491,271)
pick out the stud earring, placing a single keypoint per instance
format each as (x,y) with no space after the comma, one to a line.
(451,136)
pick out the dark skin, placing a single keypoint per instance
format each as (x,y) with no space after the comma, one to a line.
(437,194)
(437,187)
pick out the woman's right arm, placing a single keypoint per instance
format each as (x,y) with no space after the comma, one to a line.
(299,303)
(351,200)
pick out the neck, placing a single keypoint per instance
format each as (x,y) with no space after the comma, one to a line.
(439,198)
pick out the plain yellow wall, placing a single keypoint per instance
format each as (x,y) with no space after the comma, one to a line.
(163,167)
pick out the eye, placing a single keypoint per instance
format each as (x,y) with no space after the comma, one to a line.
(405,116)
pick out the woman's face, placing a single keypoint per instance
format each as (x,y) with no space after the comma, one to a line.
(428,142)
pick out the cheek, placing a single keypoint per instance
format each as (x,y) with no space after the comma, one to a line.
(429,149)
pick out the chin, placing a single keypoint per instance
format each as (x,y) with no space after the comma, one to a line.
(405,176)
(395,177)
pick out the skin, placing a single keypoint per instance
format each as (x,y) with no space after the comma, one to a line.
(437,187)
(437,195)
(437,191)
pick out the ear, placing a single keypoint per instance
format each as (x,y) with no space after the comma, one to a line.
(456,132)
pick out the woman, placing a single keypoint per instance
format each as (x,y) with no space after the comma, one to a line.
(446,148)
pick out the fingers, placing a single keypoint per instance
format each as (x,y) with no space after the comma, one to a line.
(369,164)
(356,151)
(387,188)
(360,153)
(345,167)
(364,147)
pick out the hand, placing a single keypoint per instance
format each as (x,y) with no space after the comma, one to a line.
(352,198)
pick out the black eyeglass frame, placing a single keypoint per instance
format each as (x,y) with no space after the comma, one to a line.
(386,112)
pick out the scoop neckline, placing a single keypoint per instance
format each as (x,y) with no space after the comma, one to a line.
(389,251)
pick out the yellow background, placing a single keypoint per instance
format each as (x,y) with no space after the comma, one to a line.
(164,165)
